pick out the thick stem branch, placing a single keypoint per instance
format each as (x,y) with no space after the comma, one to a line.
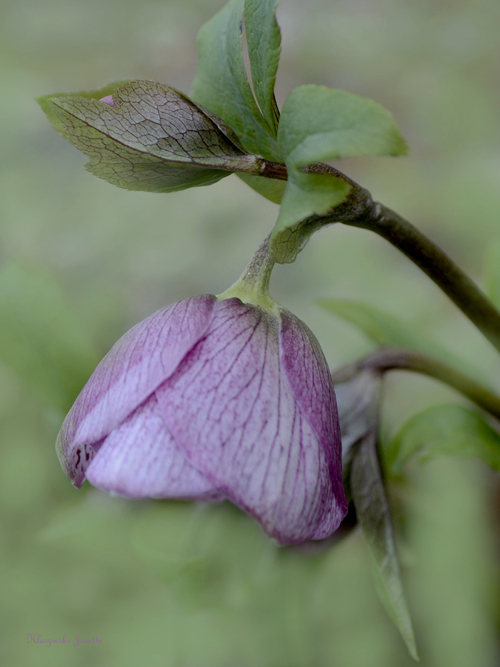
(437,265)
(387,359)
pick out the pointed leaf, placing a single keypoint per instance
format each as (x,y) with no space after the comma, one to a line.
(264,46)
(444,430)
(147,136)
(373,514)
(55,121)
(40,339)
(221,83)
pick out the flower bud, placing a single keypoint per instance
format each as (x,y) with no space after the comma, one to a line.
(213,399)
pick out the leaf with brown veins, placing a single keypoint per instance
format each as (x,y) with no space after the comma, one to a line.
(142,135)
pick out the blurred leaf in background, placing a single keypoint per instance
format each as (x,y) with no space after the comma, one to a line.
(41,340)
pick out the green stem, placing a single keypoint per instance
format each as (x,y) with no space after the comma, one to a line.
(387,359)
(437,265)
(359,210)
(253,284)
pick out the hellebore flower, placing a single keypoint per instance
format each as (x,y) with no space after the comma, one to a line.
(212,399)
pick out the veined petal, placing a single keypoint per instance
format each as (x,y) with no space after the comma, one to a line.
(311,383)
(230,408)
(140,459)
(140,361)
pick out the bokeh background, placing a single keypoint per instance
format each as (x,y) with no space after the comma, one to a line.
(177,585)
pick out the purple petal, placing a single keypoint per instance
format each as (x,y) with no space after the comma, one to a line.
(140,459)
(140,361)
(230,408)
(311,383)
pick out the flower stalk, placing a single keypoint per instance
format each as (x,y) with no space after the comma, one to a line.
(253,284)
(389,359)
(359,210)
(436,264)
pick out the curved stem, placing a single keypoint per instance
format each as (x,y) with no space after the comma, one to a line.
(437,265)
(387,359)
(359,210)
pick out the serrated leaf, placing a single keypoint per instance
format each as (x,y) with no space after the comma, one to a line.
(264,47)
(221,83)
(40,339)
(444,430)
(319,123)
(150,138)
(387,330)
(374,517)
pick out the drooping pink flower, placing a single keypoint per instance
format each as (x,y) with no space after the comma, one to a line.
(213,399)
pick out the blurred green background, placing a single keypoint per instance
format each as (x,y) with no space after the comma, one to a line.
(178,585)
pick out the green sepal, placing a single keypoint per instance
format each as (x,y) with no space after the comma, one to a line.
(154,138)
(443,430)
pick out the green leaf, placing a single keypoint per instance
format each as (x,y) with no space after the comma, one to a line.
(387,330)
(45,101)
(221,83)
(319,123)
(152,138)
(444,430)
(374,517)
(264,47)
(269,188)
(40,339)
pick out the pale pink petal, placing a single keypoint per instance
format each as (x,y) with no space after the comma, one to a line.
(140,459)
(141,360)
(230,408)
